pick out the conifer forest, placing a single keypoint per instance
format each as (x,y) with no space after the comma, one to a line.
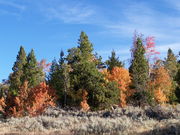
(80,86)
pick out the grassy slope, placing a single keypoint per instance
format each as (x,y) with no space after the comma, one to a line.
(130,120)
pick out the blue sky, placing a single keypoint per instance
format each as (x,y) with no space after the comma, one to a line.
(48,26)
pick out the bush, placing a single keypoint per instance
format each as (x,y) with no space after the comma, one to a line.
(31,101)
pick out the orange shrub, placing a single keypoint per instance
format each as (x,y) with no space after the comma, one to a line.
(2,105)
(30,101)
(84,104)
(40,98)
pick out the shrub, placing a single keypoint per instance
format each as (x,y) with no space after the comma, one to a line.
(30,101)
(40,98)
(2,105)
(84,104)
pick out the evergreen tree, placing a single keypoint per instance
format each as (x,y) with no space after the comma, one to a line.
(66,83)
(33,73)
(17,78)
(98,59)
(62,59)
(139,71)
(177,92)
(59,79)
(53,77)
(171,64)
(113,61)
(73,56)
(4,88)
(86,77)
(86,48)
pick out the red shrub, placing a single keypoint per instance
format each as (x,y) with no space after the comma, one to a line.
(30,101)
(40,98)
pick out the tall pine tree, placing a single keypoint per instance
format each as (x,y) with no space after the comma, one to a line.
(59,79)
(86,48)
(113,61)
(17,78)
(33,73)
(139,71)
(177,92)
(171,64)
(86,77)
(53,74)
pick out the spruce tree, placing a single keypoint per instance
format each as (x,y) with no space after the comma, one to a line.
(73,56)
(113,61)
(177,92)
(66,83)
(139,71)
(59,79)
(171,64)
(17,78)
(53,78)
(86,77)
(99,63)
(33,73)
(86,48)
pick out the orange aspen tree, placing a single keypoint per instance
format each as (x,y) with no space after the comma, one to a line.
(122,77)
(162,84)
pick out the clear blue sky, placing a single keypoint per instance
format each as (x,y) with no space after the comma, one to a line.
(48,26)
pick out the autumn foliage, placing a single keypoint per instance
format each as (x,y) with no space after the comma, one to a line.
(150,48)
(160,96)
(122,77)
(151,53)
(44,65)
(2,104)
(30,101)
(82,79)
(41,97)
(84,104)
(162,84)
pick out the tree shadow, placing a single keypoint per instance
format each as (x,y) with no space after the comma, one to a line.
(172,129)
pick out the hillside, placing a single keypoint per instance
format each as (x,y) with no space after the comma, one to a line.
(158,120)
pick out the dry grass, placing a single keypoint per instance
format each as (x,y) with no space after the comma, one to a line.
(131,120)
